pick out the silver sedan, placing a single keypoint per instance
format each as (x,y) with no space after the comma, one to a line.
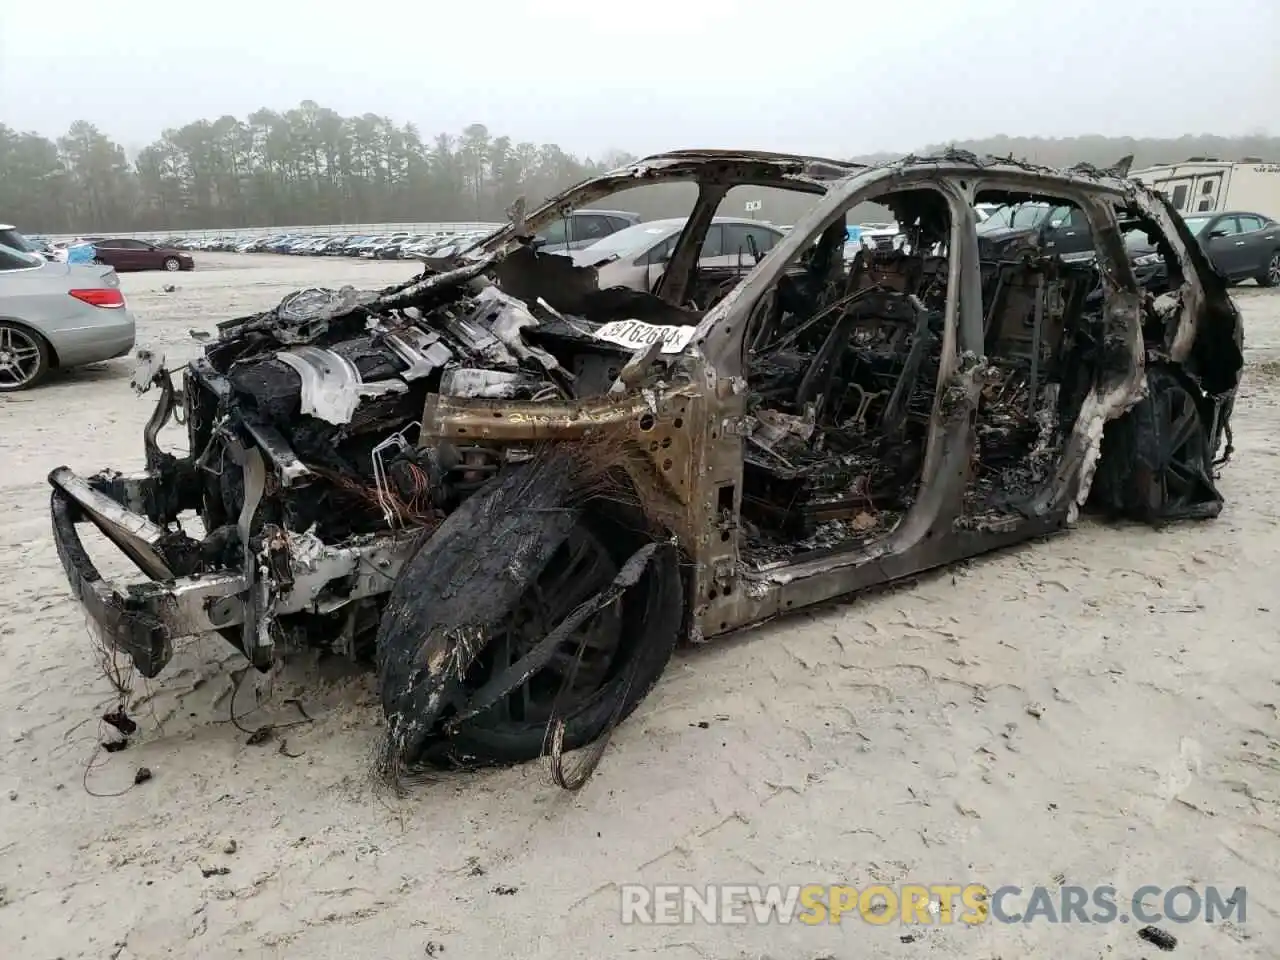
(57,315)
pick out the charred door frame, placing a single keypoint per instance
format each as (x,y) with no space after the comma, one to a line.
(725,595)
(673,284)
(1123,381)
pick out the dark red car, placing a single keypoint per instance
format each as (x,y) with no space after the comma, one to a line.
(126,254)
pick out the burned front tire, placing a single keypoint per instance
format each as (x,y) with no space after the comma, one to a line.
(510,618)
(1157,459)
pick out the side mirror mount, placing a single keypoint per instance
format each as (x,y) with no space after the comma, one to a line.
(538,243)
(1215,234)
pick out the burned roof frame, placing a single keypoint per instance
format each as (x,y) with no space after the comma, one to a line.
(721,168)
(1097,192)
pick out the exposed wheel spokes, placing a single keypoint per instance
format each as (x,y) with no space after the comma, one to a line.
(19,357)
(1184,470)
(1273,270)
(580,666)
(1182,420)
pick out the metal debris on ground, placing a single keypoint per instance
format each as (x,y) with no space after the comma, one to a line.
(1158,938)
(121,721)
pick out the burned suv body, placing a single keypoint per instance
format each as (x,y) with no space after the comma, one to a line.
(518,491)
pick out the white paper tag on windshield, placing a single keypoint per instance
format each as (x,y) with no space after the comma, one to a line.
(637,335)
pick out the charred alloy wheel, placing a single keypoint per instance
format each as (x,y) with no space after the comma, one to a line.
(1270,276)
(1177,480)
(1157,459)
(24,359)
(581,568)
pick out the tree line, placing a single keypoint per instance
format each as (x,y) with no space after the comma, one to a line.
(310,165)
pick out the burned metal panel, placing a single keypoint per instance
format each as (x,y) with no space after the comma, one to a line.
(1116,380)
(673,286)
(1120,381)
(1119,375)
(717,335)
(796,592)
(138,537)
(332,387)
(658,424)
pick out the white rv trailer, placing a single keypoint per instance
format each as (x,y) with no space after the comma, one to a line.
(1202,185)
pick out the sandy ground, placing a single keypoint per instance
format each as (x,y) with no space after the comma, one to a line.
(1100,709)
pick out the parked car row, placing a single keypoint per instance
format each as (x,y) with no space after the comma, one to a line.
(394,246)
(15,240)
(122,253)
(636,257)
(572,232)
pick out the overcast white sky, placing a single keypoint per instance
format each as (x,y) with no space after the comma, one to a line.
(822,76)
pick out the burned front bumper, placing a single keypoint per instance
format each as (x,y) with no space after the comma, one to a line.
(142,619)
(288,574)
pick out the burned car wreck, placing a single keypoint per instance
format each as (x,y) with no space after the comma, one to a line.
(516,491)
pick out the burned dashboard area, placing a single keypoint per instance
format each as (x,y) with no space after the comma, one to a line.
(331,385)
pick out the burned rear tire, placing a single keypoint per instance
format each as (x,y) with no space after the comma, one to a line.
(425,680)
(1157,459)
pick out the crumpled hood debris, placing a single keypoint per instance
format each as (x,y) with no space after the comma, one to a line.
(342,348)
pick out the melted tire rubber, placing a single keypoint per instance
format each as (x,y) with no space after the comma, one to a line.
(1137,452)
(451,596)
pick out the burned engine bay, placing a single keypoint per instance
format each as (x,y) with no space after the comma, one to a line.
(331,386)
